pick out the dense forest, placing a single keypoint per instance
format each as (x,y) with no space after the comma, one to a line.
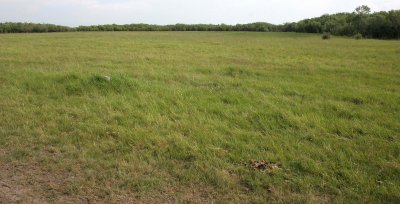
(257,27)
(361,22)
(382,25)
(32,28)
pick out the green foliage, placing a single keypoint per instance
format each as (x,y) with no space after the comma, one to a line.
(381,25)
(364,9)
(326,36)
(9,27)
(358,36)
(41,28)
(256,27)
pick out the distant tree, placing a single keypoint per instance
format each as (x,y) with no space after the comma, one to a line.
(363,10)
(360,18)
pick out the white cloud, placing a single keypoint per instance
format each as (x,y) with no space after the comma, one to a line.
(86,12)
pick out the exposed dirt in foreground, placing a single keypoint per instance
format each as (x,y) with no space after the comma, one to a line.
(27,183)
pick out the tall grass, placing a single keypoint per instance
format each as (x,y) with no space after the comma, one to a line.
(183,114)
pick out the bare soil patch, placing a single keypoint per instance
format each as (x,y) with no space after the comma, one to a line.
(28,183)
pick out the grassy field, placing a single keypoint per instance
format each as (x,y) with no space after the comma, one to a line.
(185,112)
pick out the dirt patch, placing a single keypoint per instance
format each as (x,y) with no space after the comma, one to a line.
(263,165)
(31,183)
(27,183)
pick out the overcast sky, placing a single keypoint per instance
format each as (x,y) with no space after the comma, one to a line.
(90,12)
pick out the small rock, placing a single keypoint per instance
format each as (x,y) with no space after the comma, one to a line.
(107,78)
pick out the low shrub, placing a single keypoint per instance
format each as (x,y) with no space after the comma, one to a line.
(326,36)
(358,36)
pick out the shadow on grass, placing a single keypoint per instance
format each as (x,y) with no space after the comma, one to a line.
(80,84)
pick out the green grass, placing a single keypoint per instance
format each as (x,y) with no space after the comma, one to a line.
(185,111)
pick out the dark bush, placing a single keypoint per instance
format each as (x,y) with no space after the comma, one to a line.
(326,36)
(358,36)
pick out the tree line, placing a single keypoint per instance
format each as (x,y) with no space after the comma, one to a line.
(9,27)
(381,25)
(256,27)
